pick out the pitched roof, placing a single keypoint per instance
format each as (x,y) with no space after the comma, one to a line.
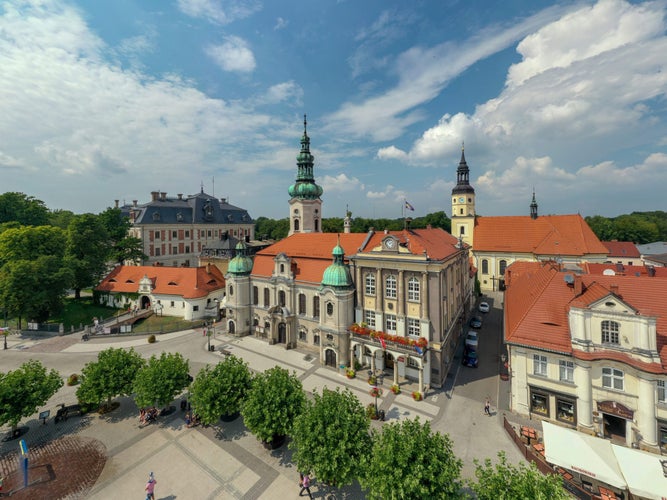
(311,253)
(623,270)
(545,235)
(538,300)
(188,282)
(622,249)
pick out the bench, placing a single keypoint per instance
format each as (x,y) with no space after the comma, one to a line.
(225,352)
(67,411)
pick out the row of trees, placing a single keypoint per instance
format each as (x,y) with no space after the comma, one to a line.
(44,254)
(330,432)
(637,227)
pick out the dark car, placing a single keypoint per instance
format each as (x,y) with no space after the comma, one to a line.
(470,358)
(475,322)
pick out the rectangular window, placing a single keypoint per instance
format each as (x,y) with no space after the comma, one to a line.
(370,284)
(413,327)
(662,435)
(610,331)
(539,402)
(157,252)
(187,234)
(390,324)
(316,307)
(157,235)
(267,297)
(662,392)
(369,318)
(187,248)
(174,251)
(390,287)
(412,363)
(565,410)
(566,369)
(174,234)
(539,365)
(413,290)
(195,308)
(255,295)
(302,304)
(172,303)
(612,378)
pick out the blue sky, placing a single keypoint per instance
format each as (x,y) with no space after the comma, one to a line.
(112,100)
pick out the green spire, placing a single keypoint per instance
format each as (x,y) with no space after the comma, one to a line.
(338,274)
(305,187)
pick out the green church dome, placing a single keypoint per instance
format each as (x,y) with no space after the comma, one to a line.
(338,273)
(241,263)
(305,187)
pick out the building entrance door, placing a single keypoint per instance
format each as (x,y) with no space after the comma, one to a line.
(614,427)
(282,333)
(330,358)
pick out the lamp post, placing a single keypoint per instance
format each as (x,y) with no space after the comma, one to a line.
(208,334)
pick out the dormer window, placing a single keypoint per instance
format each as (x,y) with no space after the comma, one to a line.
(156,216)
(179,217)
(610,331)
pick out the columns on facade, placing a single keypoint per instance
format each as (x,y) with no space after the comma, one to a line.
(361,285)
(424,296)
(421,376)
(379,293)
(395,371)
(400,295)
(584,396)
(645,420)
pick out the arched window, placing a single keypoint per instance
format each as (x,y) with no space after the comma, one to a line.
(413,290)
(330,308)
(281,298)
(316,307)
(485,266)
(255,295)
(390,287)
(610,331)
(370,284)
(296,224)
(502,265)
(282,268)
(231,290)
(317,225)
(302,303)
(231,328)
(267,297)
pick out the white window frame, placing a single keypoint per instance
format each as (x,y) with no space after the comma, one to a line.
(613,377)
(662,391)
(566,370)
(414,290)
(610,332)
(390,287)
(414,328)
(390,324)
(370,284)
(540,365)
(369,318)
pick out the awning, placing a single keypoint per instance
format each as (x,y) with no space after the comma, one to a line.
(643,472)
(579,452)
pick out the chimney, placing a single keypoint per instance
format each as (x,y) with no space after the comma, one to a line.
(163,196)
(578,285)
(135,203)
(223,200)
(614,289)
(208,268)
(154,195)
(115,203)
(180,196)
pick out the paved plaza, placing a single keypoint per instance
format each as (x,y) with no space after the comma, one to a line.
(226,461)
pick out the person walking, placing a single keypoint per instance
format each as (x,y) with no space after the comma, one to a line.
(150,487)
(487,407)
(304,481)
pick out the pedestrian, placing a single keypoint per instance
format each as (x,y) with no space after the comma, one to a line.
(304,482)
(150,487)
(487,407)
(188,422)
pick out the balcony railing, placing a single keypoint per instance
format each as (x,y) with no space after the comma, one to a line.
(395,342)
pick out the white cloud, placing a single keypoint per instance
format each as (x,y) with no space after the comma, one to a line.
(391,153)
(285,91)
(340,182)
(388,193)
(281,23)
(234,54)
(219,11)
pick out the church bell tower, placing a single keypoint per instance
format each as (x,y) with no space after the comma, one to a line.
(463,203)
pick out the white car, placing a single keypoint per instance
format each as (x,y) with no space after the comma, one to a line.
(471,340)
(484,307)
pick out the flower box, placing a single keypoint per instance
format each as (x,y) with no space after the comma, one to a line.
(396,389)
(417,396)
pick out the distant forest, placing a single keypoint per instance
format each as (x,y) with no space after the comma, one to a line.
(637,227)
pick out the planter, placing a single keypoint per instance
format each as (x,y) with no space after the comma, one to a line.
(417,396)
(275,443)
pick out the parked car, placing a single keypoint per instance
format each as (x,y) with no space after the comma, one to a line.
(475,322)
(484,307)
(470,358)
(471,340)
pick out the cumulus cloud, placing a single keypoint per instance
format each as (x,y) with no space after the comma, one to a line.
(219,11)
(340,182)
(280,24)
(234,54)
(388,193)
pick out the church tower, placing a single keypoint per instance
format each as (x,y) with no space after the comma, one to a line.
(239,292)
(533,207)
(305,202)
(463,203)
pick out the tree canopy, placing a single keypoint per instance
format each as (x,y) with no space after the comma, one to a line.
(275,399)
(26,210)
(161,380)
(637,227)
(220,390)
(331,436)
(87,250)
(111,375)
(407,460)
(25,389)
(504,481)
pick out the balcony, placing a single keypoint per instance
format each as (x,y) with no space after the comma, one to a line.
(394,342)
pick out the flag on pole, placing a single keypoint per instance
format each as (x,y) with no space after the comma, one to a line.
(384,344)
(408,206)
(419,350)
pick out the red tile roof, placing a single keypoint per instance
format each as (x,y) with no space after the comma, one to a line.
(546,235)
(312,252)
(622,249)
(597,268)
(538,300)
(188,282)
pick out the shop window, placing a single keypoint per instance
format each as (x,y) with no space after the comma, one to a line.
(566,371)
(370,284)
(612,379)
(412,363)
(539,365)
(539,403)
(565,410)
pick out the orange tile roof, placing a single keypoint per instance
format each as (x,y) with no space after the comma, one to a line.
(638,271)
(622,249)
(546,235)
(187,282)
(312,252)
(538,300)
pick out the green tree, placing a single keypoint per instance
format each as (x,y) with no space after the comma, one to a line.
(220,390)
(111,375)
(61,218)
(30,243)
(636,228)
(115,223)
(128,249)
(504,481)
(25,389)
(161,380)
(407,460)
(271,228)
(26,210)
(602,227)
(87,248)
(331,436)
(274,400)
